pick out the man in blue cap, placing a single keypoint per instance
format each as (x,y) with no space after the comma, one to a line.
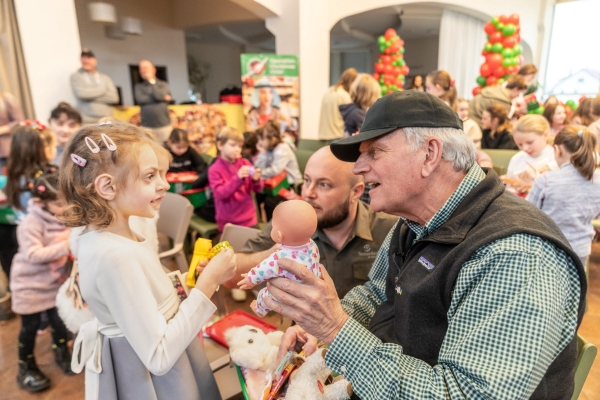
(474,293)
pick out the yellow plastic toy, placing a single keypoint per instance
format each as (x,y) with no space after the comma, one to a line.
(203,250)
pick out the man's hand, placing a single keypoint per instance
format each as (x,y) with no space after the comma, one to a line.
(313,304)
(295,338)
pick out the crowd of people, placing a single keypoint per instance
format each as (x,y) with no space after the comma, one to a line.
(86,189)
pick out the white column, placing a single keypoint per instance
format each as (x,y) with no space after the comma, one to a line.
(51,47)
(303,30)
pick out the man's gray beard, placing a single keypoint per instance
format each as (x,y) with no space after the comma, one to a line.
(334,217)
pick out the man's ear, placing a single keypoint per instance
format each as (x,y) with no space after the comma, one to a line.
(104,185)
(358,190)
(433,155)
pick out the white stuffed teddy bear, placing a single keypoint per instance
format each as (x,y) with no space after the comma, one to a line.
(308,382)
(250,347)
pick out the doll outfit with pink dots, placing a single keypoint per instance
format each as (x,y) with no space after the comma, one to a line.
(307,254)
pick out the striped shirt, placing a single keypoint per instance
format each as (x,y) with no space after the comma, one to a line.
(513,310)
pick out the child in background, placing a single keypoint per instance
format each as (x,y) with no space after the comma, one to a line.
(470,127)
(232,180)
(496,129)
(440,84)
(249,149)
(556,115)
(37,272)
(64,121)
(530,133)
(570,195)
(184,157)
(151,334)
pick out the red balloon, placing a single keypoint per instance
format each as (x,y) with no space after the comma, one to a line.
(491,80)
(512,70)
(489,28)
(379,67)
(388,50)
(476,90)
(394,48)
(405,70)
(386,59)
(388,81)
(390,33)
(509,42)
(498,72)
(376,76)
(400,83)
(514,19)
(388,69)
(485,53)
(494,60)
(485,70)
(504,19)
(496,37)
(401,42)
(397,71)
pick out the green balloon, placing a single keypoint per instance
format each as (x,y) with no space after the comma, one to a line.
(381,40)
(539,110)
(497,47)
(381,80)
(402,77)
(507,53)
(481,81)
(487,47)
(517,49)
(570,103)
(500,26)
(508,30)
(401,62)
(515,61)
(506,62)
(495,21)
(384,89)
(402,50)
(501,81)
(382,48)
(507,76)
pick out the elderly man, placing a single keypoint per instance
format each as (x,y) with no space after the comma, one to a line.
(153,96)
(348,234)
(474,294)
(94,90)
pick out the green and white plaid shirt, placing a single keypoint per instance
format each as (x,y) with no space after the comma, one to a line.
(513,310)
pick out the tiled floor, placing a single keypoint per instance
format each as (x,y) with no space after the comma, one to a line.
(71,388)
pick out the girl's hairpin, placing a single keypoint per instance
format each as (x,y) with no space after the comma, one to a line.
(78,160)
(580,133)
(37,125)
(104,123)
(41,188)
(94,148)
(110,144)
(452,82)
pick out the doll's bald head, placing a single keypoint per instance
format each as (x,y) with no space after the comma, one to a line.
(294,222)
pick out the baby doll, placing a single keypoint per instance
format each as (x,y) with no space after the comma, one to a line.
(294,222)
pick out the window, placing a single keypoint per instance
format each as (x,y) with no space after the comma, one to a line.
(573,60)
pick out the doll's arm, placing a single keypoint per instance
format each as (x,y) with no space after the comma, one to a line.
(267,269)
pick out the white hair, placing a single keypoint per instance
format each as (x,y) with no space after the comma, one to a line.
(457,147)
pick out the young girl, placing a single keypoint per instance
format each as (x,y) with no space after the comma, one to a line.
(232,180)
(556,115)
(143,342)
(64,121)
(470,127)
(440,84)
(536,156)
(570,195)
(496,129)
(38,270)
(184,157)
(417,83)
(364,92)
(276,156)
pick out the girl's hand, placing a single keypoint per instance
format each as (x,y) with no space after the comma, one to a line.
(244,172)
(256,175)
(220,269)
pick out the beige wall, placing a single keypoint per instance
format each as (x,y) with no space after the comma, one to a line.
(160,43)
(225,66)
(193,13)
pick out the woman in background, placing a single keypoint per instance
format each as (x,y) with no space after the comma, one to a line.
(331,124)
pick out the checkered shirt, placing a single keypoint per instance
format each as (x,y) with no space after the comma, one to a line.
(513,310)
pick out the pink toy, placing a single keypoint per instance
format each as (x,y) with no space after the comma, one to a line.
(294,222)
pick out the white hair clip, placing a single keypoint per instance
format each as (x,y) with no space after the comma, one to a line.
(78,160)
(105,123)
(110,144)
(580,133)
(94,148)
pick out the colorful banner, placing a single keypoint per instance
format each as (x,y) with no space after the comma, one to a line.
(270,91)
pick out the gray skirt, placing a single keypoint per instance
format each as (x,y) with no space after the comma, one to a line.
(124,376)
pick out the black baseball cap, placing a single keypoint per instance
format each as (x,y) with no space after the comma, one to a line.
(408,108)
(85,52)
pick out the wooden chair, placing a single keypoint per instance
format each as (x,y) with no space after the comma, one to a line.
(587,353)
(173,220)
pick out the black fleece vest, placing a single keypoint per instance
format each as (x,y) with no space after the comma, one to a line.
(417,319)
